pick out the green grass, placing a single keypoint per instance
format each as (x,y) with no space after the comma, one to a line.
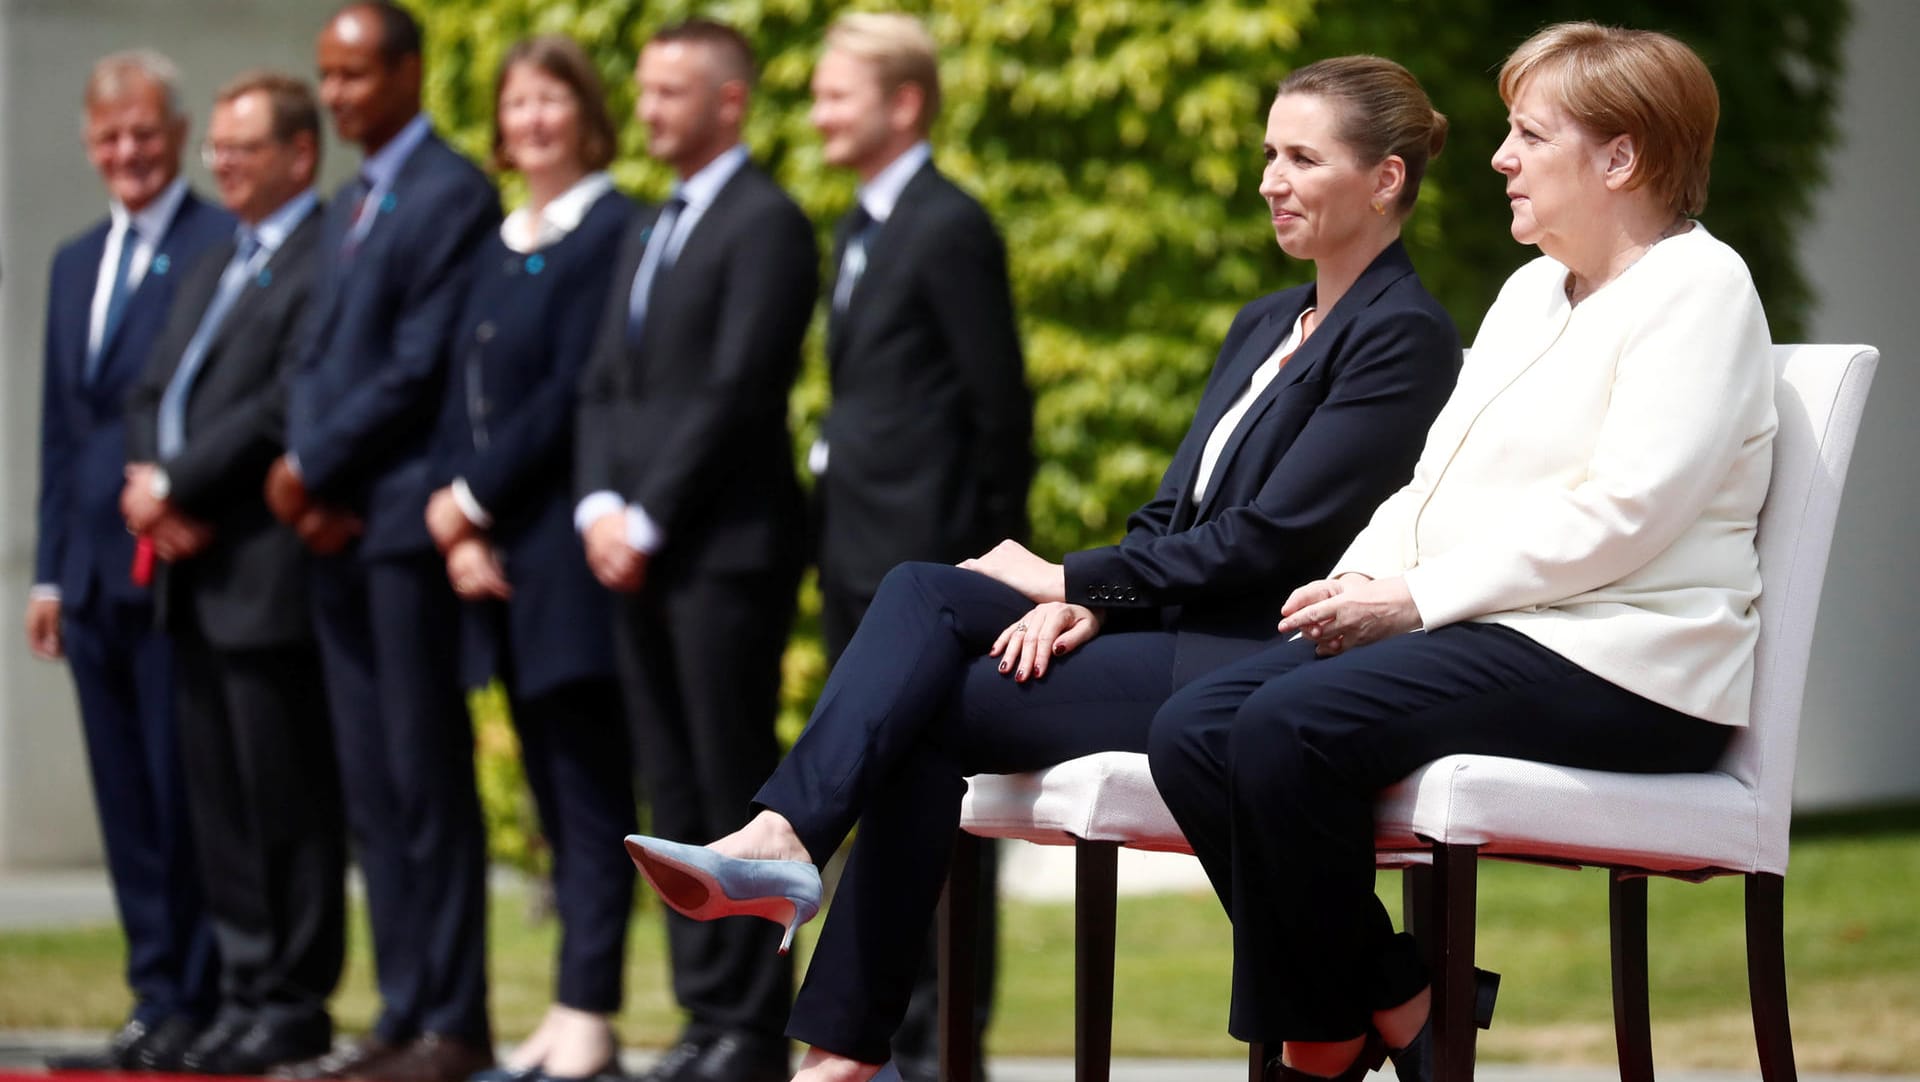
(1853,966)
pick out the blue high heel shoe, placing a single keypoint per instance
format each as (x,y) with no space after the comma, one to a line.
(704,885)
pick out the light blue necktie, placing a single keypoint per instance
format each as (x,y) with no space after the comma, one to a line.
(652,261)
(117,295)
(172,430)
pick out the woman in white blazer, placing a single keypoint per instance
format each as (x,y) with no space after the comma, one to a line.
(1569,577)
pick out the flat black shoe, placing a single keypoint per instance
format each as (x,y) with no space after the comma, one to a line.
(743,1057)
(210,1043)
(677,1064)
(262,1047)
(116,1055)
(164,1045)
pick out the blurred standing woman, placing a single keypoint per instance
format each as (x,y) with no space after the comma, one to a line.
(1577,545)
(536,618)
(1009,662)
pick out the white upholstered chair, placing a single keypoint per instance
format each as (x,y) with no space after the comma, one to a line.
(1440,820)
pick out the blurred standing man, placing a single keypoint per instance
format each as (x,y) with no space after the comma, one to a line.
(926,452)
(692,512)
(362,405)
(203,425)
(110,288)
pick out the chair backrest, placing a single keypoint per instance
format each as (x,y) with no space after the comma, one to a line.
(1821,393)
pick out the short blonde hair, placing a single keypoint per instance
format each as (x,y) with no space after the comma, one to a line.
(1630,82)
(117,75)
(900,48)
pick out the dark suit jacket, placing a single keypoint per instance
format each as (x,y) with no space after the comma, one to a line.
(367,390)
(517,357)
(931,430)
(1335,433)
(691,424)
(83,545)
(249,587)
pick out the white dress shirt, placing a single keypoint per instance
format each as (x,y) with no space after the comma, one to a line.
(1230,420)
(148,226)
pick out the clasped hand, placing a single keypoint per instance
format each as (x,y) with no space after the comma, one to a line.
(1352,610)
(175,534)
(1052,629)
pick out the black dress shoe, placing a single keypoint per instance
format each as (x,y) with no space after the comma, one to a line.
(263,1046)
(165,1044)
(117,1055)
(678,1063)
(435,1057)
(356,1060)
(227,1027)
(742,1057)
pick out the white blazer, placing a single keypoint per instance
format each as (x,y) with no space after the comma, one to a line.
(1595,480)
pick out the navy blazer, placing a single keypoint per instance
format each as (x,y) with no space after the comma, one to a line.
(691,423)
(1334,434)
(84,547)
(248,588)
(366,392)
(931,429)
(520,346)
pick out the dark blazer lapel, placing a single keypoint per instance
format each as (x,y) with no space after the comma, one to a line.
(76,294)
(297,246)
(1259,344)
(838,322)
(159,268)
(333,270)
(1388,267)
(890,238)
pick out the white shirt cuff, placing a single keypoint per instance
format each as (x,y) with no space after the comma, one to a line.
(643,533)
(817,458)
(293,464)
(43,591)
(596,506)
(470,507)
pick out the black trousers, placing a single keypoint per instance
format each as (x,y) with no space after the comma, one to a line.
(916,1045)
(575,748)
(389,646)
(700,660)
(123,674)
(910,711)
(265,799)
(1271,766)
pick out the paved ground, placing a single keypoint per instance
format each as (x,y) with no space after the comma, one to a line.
(25,1051)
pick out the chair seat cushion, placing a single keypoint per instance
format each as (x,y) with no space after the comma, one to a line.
(1510,807)
(1104,797)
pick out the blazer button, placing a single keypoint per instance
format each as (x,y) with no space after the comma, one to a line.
(484,332)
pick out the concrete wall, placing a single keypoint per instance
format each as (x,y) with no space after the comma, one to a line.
(48,193)
(1860,742)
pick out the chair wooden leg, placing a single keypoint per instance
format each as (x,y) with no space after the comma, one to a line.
(1257,1058)
(1632,1028)
(1095,886)
(1451,920)
(959,932)
(1416,902)
(1767,976)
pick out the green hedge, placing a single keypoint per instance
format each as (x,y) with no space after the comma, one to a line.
(1118,145)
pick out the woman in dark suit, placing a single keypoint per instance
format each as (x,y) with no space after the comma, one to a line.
(1314,412)
(536,618)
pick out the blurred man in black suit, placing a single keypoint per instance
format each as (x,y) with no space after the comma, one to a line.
(926,453)
(690,509)
(203,424)
(365,392)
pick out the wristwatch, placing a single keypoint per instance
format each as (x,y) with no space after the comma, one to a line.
(160,485)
